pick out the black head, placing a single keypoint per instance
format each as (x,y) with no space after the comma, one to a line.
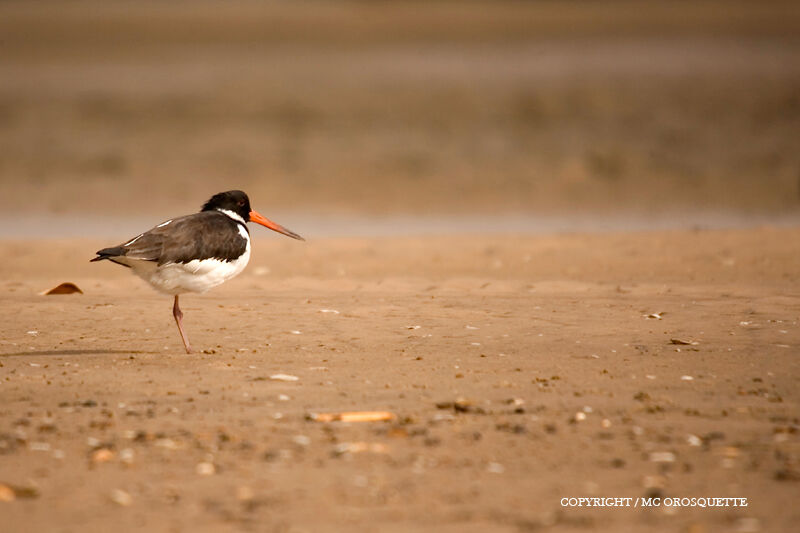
(238,202)
(234,201)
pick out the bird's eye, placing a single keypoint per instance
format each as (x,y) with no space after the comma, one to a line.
(240,203)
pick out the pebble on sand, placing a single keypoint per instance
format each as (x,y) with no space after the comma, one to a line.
(301,440)
(120,497)
(168,444)
(205,469)
(7,494)
(495,468)
(358,447)
(127,456)
(662,457)
(102,455)
(283,377)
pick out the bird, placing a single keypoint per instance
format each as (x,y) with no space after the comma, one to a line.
(196,252)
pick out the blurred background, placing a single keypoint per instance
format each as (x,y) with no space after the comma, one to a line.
(572,109)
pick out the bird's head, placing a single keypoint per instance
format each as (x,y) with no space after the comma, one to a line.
(236,205)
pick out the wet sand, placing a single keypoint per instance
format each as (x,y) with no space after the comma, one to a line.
(521,370)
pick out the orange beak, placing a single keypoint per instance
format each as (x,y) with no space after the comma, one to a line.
(264,221)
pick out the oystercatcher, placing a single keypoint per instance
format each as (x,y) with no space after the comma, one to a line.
(196,252)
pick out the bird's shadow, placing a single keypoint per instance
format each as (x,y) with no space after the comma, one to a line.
(74,352)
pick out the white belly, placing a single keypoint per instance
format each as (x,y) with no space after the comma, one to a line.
(194,276)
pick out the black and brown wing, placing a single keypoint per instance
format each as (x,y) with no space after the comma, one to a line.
(203,235)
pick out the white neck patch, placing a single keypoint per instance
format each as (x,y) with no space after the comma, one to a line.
(233,215)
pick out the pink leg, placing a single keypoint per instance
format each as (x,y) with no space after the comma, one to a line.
(178,314)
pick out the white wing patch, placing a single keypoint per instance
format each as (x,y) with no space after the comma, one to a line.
(134,239)
(163,224)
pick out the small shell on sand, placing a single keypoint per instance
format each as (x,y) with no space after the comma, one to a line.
(63,288)
(354,416)
(283,377)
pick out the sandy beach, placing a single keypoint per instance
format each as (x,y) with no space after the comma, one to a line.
(520,370)
(554,245)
